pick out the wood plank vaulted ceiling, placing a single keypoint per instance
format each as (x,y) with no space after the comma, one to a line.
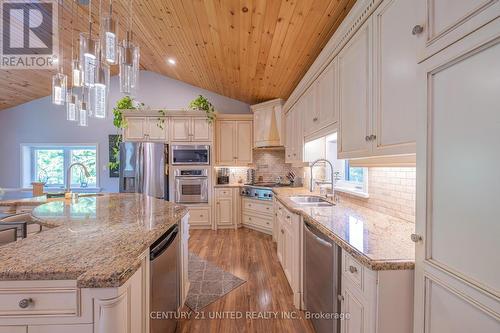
(249,50)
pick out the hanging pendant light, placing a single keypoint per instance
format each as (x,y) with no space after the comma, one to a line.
(129,61)
(72,107)
(59,87)
(100,91)
(110,37)
(89,47)
(59,80)
(83,111)
(76,68)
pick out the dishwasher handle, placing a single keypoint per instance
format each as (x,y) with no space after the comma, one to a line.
(309,229)
(163,243)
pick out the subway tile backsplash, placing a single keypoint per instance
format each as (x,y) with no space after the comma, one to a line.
(391,190)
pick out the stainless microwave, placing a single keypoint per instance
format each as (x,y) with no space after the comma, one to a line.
(190,155)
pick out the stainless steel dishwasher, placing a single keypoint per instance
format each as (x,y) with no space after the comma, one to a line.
(322,260)
(165,281)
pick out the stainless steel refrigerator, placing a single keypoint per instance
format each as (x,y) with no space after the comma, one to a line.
(144,168)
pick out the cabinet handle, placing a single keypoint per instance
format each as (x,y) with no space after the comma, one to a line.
(373,137)
(367,138)
(282,231)
(417,30)
(353,269)
(25,302)
(340,298)
(267,208)
(249,219)
(315,119)
(288,216)
(415,238)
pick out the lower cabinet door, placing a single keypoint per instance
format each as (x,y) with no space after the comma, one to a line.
(224,211)
(354,307)
(13,329)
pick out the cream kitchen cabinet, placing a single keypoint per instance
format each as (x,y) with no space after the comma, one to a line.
(376,301)
(233,142)
(355,95)
(257,214)
(378,112)
(320,101)
(224,216)
(456,285)
(146,129)
(395,78)
(442,23)
(294,144)
(200,217)
(190,129)
(287,236)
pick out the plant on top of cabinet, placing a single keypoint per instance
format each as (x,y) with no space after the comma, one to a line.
(201,103)
(125,103)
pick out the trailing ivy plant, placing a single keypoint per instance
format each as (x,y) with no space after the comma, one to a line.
(201,103)
(126,103)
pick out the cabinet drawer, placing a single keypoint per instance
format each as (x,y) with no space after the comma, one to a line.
(353,270)
(13,329)
(258,206)
(199,216)
(39,301)
(223,192)
(257,221)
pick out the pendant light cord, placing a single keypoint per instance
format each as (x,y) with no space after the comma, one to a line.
(90,19)
(61,61)
(72,29)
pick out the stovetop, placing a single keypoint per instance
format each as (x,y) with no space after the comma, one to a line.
(259,191)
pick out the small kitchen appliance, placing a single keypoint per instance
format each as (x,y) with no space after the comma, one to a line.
(223,176)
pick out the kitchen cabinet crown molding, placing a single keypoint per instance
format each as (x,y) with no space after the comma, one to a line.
(359,13)
(163,113)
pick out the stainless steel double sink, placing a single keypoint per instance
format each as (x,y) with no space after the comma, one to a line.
(310,201)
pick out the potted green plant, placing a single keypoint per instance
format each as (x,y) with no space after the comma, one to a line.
(201,103)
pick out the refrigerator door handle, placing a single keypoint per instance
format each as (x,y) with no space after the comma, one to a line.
(139,168)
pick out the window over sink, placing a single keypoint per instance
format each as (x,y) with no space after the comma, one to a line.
(48,163)
(353,180)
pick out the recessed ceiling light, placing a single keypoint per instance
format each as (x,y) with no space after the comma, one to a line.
(171,61)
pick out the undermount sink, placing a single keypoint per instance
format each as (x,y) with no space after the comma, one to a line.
(309,200)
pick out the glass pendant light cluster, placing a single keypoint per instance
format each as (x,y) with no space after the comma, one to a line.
(88,93)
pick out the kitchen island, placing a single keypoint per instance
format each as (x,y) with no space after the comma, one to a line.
(89,270)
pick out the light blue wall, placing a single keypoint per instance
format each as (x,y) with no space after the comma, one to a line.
(40,121)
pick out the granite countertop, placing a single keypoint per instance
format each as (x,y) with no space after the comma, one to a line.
(228,185)
(33,201)
(378,241)
(96,241)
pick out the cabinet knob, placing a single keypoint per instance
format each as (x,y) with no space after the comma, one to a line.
(288,216)
(415,238)
(418,29)
(340,298)
(373,137)
(353,269)
(25,302)
(315,119)
(367,138)
(282,231)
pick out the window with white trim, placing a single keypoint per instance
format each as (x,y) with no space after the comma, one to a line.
(48,164)
(348,179)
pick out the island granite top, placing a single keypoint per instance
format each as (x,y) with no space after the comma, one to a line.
(96,241)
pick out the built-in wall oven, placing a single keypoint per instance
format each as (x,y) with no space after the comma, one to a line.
(191,185)
(191,155)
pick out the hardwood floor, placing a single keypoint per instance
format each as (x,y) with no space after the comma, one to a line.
(249,255)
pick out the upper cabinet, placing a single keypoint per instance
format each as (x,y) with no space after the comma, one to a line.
(268,124)
(234,139)
(355,94)
(320,101)
(294,145)
(442,23)
(154,129)
(395,78)
(190,129)
(378,114)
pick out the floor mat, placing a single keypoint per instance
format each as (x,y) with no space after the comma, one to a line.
(208,282)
